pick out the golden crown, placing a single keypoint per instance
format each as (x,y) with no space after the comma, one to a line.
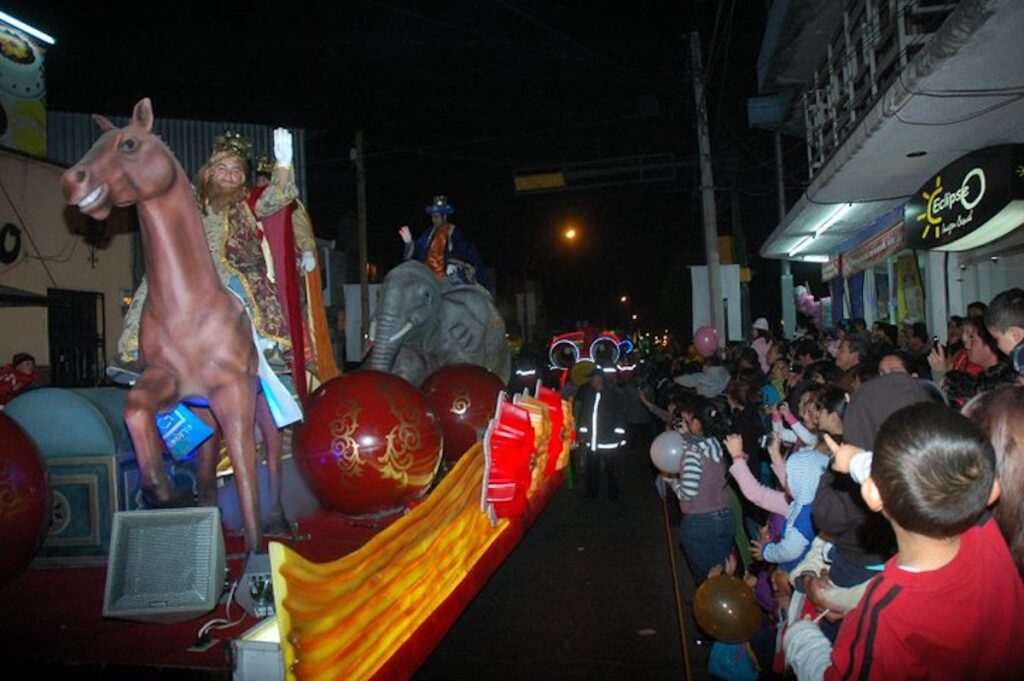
(264,164)
(235,143)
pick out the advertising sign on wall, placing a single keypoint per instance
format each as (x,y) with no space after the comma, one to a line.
(22,92)
(967,198)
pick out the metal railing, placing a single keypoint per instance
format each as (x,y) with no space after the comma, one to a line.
(869,50)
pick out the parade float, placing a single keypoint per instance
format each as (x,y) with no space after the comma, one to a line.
(421,493)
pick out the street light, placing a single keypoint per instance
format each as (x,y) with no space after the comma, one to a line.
(634,318)
(624,299)
(570,234)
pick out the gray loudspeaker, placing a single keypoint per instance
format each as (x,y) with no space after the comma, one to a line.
(165,565)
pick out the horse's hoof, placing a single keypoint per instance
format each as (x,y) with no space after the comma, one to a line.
(278,525)
(180,499)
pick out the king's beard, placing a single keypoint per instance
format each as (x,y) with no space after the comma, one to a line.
(220,197)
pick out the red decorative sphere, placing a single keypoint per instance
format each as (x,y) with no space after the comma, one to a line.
(369,445)
(24,500)
(464,397)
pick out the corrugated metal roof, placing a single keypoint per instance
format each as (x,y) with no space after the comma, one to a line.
(69,135)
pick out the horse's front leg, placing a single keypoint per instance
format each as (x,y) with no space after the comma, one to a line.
(206,461)
(156,391)
(234,406)
(273,440)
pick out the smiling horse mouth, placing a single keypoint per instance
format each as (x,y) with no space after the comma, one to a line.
(93,198)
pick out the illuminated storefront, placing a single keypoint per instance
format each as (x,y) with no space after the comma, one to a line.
(955,241)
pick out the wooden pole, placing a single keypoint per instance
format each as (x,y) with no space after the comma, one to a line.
(364,274)
(707,186)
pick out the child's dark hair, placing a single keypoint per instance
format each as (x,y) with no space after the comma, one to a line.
(984,335)
(859,343)
(1006,310)
(714,418)
(833,401)
(934,470)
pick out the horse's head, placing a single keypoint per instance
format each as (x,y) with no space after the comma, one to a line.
(126,166)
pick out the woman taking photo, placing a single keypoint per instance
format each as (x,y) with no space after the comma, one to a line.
(707,530)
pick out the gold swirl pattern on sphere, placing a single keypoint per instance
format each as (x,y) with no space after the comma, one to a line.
(404,440)
(461,401)
(343,445)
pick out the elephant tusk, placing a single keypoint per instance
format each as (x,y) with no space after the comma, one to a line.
(373,330)
(401,332)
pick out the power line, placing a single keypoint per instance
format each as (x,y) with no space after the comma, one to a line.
(464,29)
(575,43)
(482,140)
(960,119)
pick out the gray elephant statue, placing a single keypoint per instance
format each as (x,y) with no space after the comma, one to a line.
(423,323)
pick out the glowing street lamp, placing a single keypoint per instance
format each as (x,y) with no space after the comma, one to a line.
(624,299)
(570,234)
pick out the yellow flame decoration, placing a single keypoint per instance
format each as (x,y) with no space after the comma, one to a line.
(345,619)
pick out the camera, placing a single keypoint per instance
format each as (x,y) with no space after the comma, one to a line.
(935,342)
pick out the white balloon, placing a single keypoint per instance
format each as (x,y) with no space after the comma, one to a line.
(667,452)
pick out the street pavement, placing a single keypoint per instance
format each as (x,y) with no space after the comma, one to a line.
(587,594)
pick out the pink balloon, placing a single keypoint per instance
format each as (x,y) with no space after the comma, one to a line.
(706,340)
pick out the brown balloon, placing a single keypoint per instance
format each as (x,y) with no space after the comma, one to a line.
(725,608)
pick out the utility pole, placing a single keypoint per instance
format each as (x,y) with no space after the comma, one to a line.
(364,275)
(707,186)
(786,279)
(739,245)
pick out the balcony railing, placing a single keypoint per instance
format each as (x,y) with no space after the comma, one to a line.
(870,49)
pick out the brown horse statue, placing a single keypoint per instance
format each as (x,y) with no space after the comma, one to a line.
(195,338)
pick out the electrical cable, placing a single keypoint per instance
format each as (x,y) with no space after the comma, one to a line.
(28,232)
(61,259)
(575,43)
(225,622)
(960,119)
(463,29)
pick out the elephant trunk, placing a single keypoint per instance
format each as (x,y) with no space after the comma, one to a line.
(387,341)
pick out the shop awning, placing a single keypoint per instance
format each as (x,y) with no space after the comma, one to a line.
(16,297)
(956,94)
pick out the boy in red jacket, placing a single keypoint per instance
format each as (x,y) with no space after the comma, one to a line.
(950,604)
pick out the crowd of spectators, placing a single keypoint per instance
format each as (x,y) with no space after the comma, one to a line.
(879,475)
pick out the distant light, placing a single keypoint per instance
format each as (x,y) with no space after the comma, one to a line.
(634,318)
(623,299)
(34,32)
(570,233)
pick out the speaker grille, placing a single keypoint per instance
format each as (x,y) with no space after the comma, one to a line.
(165,565)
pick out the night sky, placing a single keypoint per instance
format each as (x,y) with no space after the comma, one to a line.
(453,97)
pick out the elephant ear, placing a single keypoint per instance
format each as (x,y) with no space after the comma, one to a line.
(466,314)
